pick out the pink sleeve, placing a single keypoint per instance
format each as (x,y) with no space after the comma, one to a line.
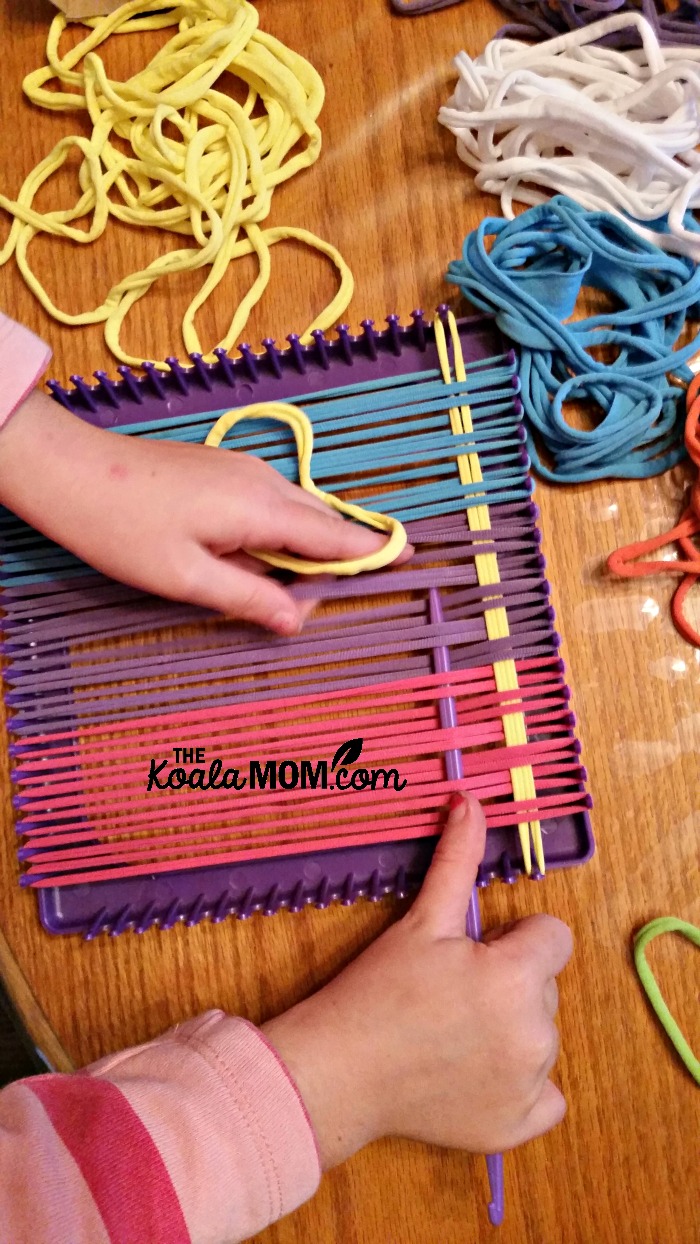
(200,1137)
(23,359)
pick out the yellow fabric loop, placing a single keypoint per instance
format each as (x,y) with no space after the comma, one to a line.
(197,163)
(304,438)
(496,619)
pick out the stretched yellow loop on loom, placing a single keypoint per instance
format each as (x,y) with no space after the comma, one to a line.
(304,438)
(496,619)
(211,181)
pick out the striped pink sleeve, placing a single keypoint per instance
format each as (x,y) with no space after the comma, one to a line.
(200,1137)
(23,359)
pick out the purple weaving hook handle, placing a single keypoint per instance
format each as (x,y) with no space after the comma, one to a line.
(455,771)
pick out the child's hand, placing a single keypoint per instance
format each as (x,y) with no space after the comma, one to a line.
(169,518)
(429,1035)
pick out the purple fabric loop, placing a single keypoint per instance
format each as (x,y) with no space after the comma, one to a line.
(68,712)
(412,8)
(544,19)
(256,661)
(212,676)
(537,19)
(54,635)
(107,623)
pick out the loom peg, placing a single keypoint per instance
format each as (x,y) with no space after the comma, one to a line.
(97,926)
(86,393)
(155,379)
(108,388)
(147,918)
(345,343)
(370,338)
(297,352)
(122,921)
(60,394)
(418,328)
(297,901)
(203,371)
(178,373)
(321,348)
(347,897)
(223,909)
(250,361)
(226,366)
(273,355)
(271,903)
(508,873)
(394,334)
(131,384)
(247,904)
(375,889)
(197,911)
(323,895)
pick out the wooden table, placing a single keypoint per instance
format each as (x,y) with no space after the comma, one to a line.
(391,194)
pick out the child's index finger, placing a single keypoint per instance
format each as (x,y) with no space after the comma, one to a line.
(442,903)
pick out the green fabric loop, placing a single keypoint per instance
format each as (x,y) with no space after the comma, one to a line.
(655,928)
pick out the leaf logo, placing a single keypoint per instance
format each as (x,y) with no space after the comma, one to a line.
(348,753)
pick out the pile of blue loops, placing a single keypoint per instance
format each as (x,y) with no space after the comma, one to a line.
(529,272)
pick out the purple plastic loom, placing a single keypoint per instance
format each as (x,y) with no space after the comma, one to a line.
(293,881)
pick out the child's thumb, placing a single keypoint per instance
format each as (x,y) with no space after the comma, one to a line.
(442,903)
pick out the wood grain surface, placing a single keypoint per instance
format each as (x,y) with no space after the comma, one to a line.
(389,191)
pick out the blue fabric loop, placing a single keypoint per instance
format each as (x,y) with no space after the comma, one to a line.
(531,277)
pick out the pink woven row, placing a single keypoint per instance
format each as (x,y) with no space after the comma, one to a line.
(97,788)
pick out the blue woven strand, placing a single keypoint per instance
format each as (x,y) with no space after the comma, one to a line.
(326,415)
(390,432)
(483,373)
(531,277)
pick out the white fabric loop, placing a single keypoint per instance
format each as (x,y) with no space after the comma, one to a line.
(616,131)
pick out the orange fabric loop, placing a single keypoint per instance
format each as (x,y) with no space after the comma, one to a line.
(623,562)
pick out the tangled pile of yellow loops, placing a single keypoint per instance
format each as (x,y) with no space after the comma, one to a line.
(212,182)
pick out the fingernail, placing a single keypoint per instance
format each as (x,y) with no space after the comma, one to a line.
(286,624)
(457,800)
